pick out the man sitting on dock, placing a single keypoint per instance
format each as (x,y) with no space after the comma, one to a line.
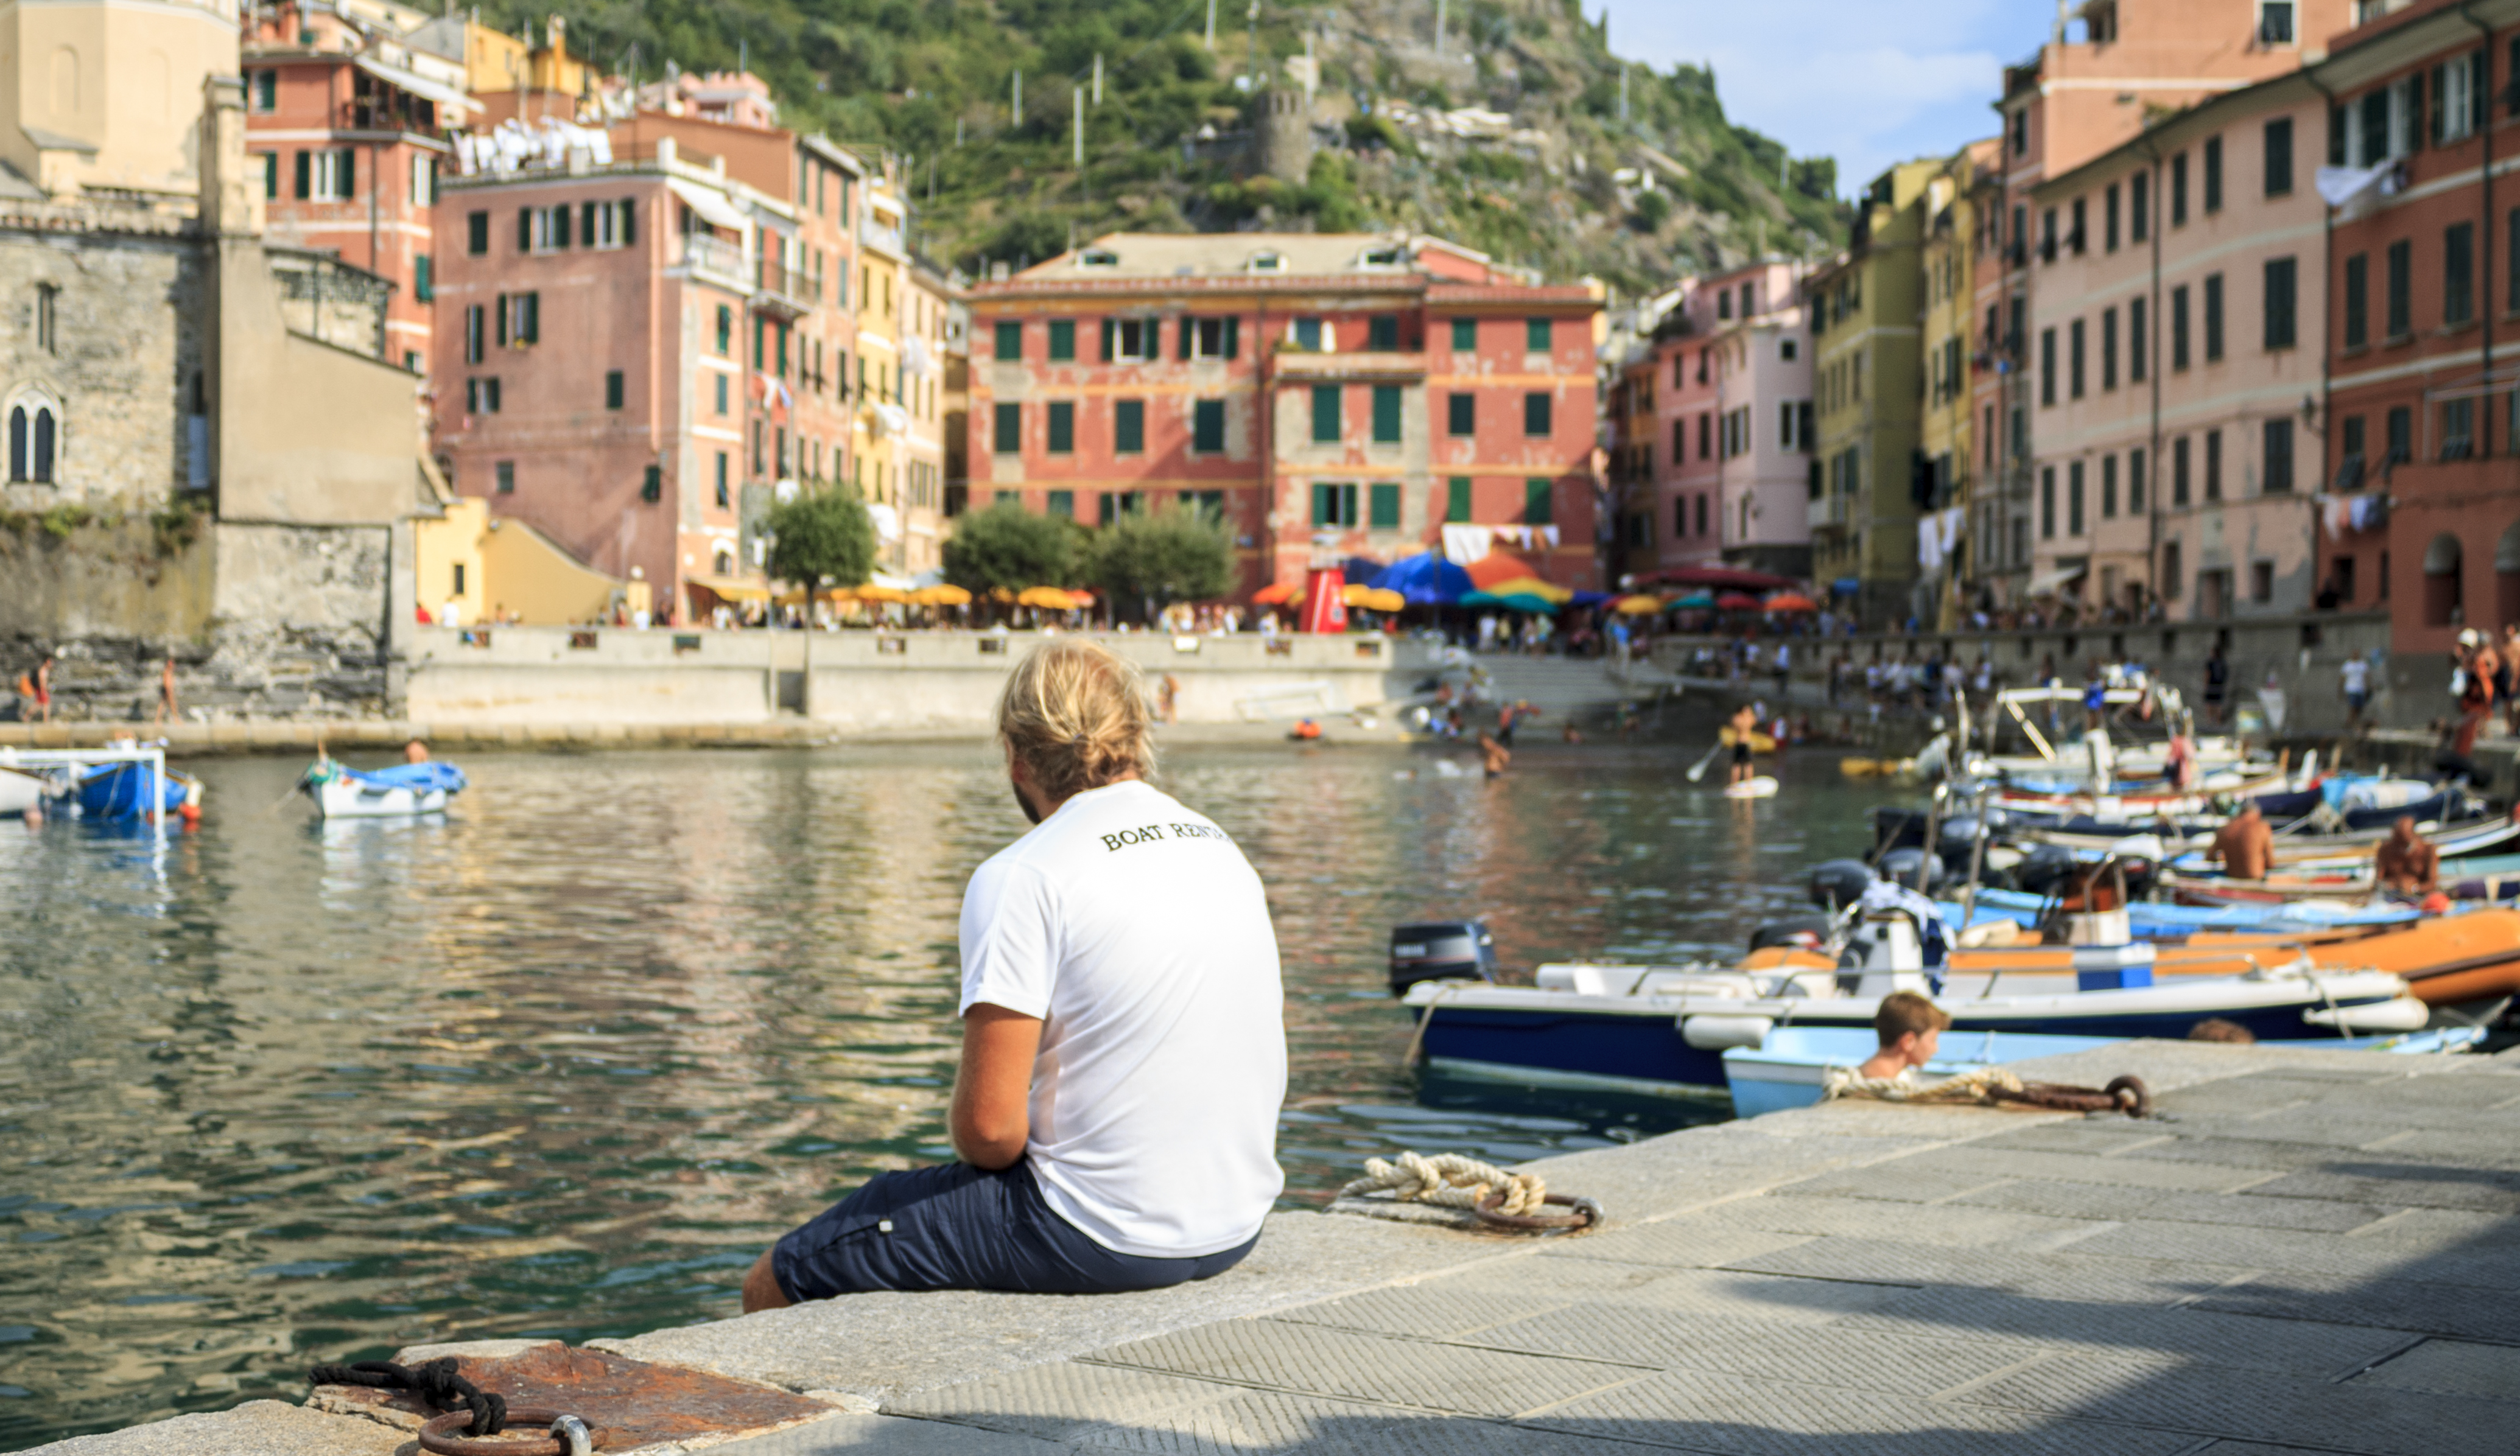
(1124,1049)
(2406,864)
(1911,1029)
(2245,844)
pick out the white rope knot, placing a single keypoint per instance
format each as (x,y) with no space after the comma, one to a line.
(1979,1085)
(1450,1180)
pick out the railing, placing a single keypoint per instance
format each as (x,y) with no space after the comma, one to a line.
(717,254)
(1828,511)
(788,282)
(874,235)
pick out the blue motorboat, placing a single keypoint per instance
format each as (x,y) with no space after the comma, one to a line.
(132,789)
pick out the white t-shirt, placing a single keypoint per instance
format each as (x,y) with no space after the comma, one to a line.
(1140,935)
(2357,674)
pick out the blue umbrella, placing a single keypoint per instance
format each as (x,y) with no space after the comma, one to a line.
(1359,571)
(1427,580)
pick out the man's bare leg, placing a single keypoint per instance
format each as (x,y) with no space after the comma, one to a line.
(761,1288)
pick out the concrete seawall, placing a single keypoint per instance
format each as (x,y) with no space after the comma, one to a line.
(2313,1250)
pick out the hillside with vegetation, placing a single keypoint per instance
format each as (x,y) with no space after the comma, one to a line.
(1523,136)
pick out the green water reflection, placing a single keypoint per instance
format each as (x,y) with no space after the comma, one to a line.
(563,1062)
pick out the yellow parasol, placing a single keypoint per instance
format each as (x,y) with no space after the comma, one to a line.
(1049,598)
(1373,599)
(873,593)
(941,596)
(1637,606)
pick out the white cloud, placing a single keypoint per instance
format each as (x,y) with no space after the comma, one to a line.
(1842,78)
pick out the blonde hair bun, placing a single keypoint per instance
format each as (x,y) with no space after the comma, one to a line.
(1077,715)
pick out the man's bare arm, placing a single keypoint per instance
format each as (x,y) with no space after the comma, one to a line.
(992,1092)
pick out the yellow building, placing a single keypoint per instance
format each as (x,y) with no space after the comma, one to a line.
(1865,307)
(882,449)
(932,339)
(1950,440)
(70,121)
(470,567)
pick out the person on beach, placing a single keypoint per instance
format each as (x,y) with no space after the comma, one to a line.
(1745,722)
(2245,844)
(1910,1030)
(1124,1050)
(2404,863)
(415,752)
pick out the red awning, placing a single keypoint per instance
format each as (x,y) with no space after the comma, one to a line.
(1716,576)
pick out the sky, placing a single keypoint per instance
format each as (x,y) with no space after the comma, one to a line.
(1864,81)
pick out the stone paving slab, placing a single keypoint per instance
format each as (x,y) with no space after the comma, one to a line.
(2203,1401)
(1793,1212)
(1764,1416)
(2452,1367)
(2066,1276)
(2098,1202)
(1734,1293)
(2408,1184)
(2401,1304)
(1279,1355)
(1860,1359)
(1436,1311)
(1701,1241)
(2128,1170)
(2456,1259)
(257,1427)
(889,1435)
(2237,1342)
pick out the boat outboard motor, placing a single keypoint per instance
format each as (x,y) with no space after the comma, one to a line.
(1838,883)
(2043,867)
(1896,826)
(1951,841)
(1441,950)
(1798,932)
(1911,867)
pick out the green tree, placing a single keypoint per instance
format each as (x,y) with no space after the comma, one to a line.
(824,536)
(1163,557)
(1007,546)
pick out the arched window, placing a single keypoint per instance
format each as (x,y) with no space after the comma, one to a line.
(726,563)
(2442,582)
(18,443)
(43,453)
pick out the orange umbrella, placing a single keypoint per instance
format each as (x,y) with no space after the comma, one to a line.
(1276,593)
(1791,601)
(1498,567)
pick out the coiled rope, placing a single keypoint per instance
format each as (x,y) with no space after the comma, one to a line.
(1455,1180)
(1986,1086)
(434,1381)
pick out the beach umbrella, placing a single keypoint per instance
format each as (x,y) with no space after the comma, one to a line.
(941,595)
(1737,601)
(1530,586)
(873,593)
(1276,593)
(1791,601)
(1376,599)
(1696,601)
(1048,598)
(1637,606)
(1425,579)
(1498,566)
(1360,571)
(1515,601)
(1591,598)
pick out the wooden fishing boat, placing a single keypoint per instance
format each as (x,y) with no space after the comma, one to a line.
(398,792)
(20,791)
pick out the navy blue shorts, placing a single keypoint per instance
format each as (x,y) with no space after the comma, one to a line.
(956,1226)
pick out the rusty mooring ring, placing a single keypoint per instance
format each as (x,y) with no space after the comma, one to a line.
(438,1435)
(1587,1214)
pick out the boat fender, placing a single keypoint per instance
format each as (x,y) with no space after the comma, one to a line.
(1718,1033)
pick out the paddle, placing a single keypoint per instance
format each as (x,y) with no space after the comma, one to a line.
(1698,770)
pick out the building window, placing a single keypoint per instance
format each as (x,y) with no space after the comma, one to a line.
(2074,358)
(423,280)
(1333,505)
(651,484)
(1008,341)
(476,232)
(2108,487)
(1128,426)
(2179,463)
(271,176)
(1457,494)
(1536,337)
(2108,348)
(1382,333)
(1537,418)
(1538,506)
(520,318)
(1310,337)
(604,225)
(2401,303)
(2357,300)
(1211,338)
(2109,219)
(2079,239)
(2047,366)
(2458,274)
(612,388)
(2074,499)
(2274,22)
(2179,327)
(1062,427)
(32,436)
(1006,434)
(481,395)
(2172,570)
(2278,177)
(721,497)
(2282,282)
(1465,336)
(1062,341)
(1325,415)
(266,90)
(330,175)
(1383,506)
(1061,504)
(2135,462)
(2139,207)
(2213,465)
(719,384)
(1462,415)
(504,474)
(2210,187)
(1134,340)
(2047,503)
(424,181)
(2399,432)
(48,336)
(2212,317)
(2458,429)
(1207,427)
(477,326)
(2138,344)
(2178,191)
(2276,437)
(1386,414)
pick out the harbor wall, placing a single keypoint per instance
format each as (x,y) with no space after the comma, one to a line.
(872,681)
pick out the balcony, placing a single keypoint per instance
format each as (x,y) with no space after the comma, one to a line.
(1299,365)
(713,255)
(871,234)
(1830,512)
(780,290)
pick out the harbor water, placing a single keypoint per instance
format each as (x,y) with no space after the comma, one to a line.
(562,1062)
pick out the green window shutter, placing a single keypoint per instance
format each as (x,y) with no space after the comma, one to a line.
(1010,342)
(348,174)
(1063,504)
(1386,414)
(1232,336)
(1324,505)
(1465,336)
(423,286)
(1062,341)
(1006,432)
(1189,336)
(1326,414)
(525,229)
(1456,500)
(503,321)
(1207,427)
(629,221)
(1386,514)
(1128,426)
(1382,333)
(1462,414)
(305,174)
(1535,502)
(1536,415)
(1062,427)
(1535,337)
(612,388)
(760,342)
(271,175)
(1107,340)
(1106,506)
(559,225)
